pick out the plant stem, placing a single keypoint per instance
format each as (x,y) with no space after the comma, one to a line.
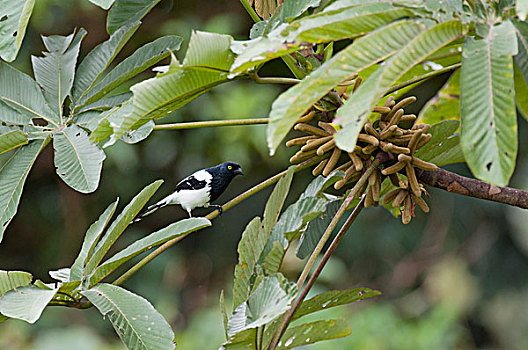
(250,11)
(214,214)
(318,271)
(326,235)
(211,123)
(273,80)
(423,77)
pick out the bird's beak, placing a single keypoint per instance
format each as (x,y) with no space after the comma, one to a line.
(239,172)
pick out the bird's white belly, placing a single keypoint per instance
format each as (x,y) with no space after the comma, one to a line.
(190,199)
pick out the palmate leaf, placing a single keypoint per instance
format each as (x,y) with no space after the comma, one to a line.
(12,178)
(328,26)
(290,105)
(177,229)
(205,66)
(21,98)
(357,108)
(13,22)
(78,161)
(91,238)
(119,225)
(134,319)
(444,147)
(489,125)
(26,303)
(124,12)
(312,332)
(99,59)
(55,71)
(11,140)
(144,57)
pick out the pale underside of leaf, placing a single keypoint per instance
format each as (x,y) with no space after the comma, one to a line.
(15,17)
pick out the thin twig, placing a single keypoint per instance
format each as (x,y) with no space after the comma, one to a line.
(274,80)
(211,123)
(317,271)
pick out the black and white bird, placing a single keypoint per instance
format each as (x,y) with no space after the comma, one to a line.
(199,189)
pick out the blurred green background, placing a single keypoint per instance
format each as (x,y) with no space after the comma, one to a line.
(455,278)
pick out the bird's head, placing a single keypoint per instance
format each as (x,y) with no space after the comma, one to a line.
(233,169)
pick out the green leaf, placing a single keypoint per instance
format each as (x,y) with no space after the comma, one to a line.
(90,240)
(62,275)
(445,105)
(273,260)
(78,161)
(55,71)
(109,122)
(13,175)
(144,57)
(11,140)
(223,310)
(521,29)
(26,303)
(276,201)
(135,136)
(13,279)
(124,12)
(105,103)
(333,298)
(245,340)
(444,147)
(158,97)
(99,59)
(268,301)
(178,229)
(119,225)
(15,17)
(19,92)
(104,4)
(327,26)
(312,332)
(521,91)
(293,103)
(134,319)
(358,107)
(249,249)
(489,125)
(522,9)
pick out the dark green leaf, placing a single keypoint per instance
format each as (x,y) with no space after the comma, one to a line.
(444,146)
(125,12)
(312,332)
(11,140)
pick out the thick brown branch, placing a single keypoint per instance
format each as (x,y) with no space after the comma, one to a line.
(455,183)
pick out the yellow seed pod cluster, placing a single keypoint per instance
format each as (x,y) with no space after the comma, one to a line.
(384,133)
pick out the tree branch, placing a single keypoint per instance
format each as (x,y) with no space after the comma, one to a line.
(211,123)
(455,183)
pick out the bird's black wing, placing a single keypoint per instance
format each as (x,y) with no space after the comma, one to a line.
(190,183)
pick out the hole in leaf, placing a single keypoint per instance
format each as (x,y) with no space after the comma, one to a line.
(506,154)
(488,166)
(4,18)
(39,122)
(78,134)
(15,33)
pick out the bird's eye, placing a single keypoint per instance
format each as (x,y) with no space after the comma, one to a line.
(229,167)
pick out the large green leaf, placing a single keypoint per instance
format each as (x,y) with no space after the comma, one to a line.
(268,301)
(124,12)
(99,59)
(90,240)
(134,319)
(333,298)
(144,57)
(205,66)
(276,201)
(109,122)
(357,108)
(249,249)
(55,71)
(21,98)
(13,279)
(522,9)
(11,140)
(78,161)
(119,225)
(289,106)
(26,303)
(13,22)
(312,332)
(328,26)
(105,103)
(489,125)
(521,91)
(521,29)
(177,229)
(445,105)
(12,178)
(444,147)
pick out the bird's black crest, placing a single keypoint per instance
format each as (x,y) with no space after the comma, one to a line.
(222,176)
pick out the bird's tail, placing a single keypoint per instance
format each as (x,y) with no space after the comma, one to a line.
(150,209)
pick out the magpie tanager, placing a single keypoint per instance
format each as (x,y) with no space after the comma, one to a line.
(199,189)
